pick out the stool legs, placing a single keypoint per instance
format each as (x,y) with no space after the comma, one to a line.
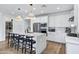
(22,46)
(31,47)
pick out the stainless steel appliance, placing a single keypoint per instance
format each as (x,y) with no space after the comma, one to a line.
(40,27)
(36,27)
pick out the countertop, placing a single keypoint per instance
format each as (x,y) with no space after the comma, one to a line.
(72,38)
(72,34)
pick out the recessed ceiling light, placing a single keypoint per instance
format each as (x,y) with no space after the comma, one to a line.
(34,8)
(57,8)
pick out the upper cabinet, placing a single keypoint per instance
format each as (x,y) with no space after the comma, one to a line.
(41,19)
(60,20)
(51,21)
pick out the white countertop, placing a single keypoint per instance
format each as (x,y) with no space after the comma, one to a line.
(35,34)
(74,40)
(30,34)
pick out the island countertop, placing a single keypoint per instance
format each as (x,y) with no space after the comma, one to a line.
(30,34)
(40,39)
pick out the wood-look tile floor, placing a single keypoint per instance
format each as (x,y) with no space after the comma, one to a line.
(5,49)
(52,48)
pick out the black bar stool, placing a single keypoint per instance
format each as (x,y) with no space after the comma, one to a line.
(14,40)
(9,38)
(21,42)
(29,43)
(17,41)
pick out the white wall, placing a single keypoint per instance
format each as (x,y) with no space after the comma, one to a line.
(19,26)
(76,16)
(2,27)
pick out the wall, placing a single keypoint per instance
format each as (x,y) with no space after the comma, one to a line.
(2,27)
(76,15)
(19,26)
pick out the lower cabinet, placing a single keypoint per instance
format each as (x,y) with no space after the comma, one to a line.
(51,36)
(72,45)
(56,37)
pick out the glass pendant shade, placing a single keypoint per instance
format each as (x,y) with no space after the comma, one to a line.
(30,16)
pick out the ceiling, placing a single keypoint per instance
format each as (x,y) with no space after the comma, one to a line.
(37,9)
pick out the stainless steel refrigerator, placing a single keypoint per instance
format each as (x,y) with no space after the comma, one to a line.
(37,27)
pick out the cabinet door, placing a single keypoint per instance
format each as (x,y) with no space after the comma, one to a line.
(65,22)
(51,36)
(51,21)
(43,19)
(60,37)
(61,20)
(58,21)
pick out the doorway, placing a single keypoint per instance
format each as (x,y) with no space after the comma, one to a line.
(8,28)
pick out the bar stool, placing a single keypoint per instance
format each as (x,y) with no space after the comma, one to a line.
(15,40)
(9,38)
(29,44)
(12,41)
(21,42)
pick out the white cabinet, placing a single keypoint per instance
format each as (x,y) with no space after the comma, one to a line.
(51,36)
(72,48)
(41,19)
(51,21)
(60,37)
(59,20)
(62,21)
(72,45)
(57,36)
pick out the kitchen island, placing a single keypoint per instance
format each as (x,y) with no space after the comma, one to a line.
(40,39)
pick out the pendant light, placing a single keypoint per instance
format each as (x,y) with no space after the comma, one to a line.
(18,17)
(31,15)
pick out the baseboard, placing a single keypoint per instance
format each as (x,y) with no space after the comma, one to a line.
(55,42)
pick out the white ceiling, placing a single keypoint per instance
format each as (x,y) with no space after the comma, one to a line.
(11,9)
